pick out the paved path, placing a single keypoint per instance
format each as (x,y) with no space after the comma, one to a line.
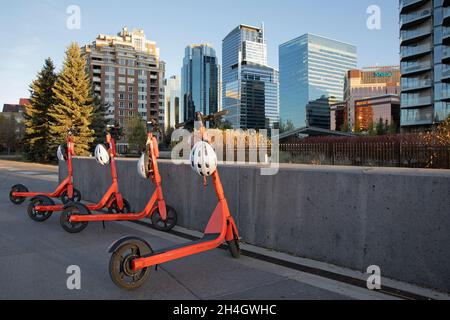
(34,258)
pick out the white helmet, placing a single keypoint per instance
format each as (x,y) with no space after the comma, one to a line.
(102,155)
(62,153)
(142,166)
(203,159)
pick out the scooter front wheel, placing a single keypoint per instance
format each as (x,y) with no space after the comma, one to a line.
(167,225)
(120,265)
(40,216)
(76,196)
(17,188)
(73,209)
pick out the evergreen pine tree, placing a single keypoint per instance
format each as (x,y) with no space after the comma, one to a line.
(371,129)
(36,113)
(73,104)
(380,127)
(136,134)
(99,121)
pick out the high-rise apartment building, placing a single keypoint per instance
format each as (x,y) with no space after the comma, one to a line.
(173,112)
(162,94)
(425,62)
(125,71)
(199,81)
(367,83)
(311,67)
(250,88)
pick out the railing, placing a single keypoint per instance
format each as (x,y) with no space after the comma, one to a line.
(405,3)
(415,67)
(409,51)
(383,151)
(414,16)
(446,12)
(416,102)
(415,84)
(445,72)
(446,52)
(410,34)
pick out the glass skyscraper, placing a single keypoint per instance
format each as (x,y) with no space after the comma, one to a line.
(249,85)
(425,62)
(199,81)
(311,67)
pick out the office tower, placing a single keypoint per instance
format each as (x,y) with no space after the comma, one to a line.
(199,81)
(172,89)
(367,83)
(125,71)
(249,85)
(425,62)
(318,112)
(311,67)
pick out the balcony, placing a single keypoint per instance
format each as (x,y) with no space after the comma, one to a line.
(445,94)
(414,85)
(445,75)
(412,52)
(417,102)
(446,16)
(407,20)
(446,35)
(416,34)
(414,117)
(406,5)
(414,68)
(446,54)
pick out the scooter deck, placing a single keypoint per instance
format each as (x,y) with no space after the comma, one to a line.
(206,238)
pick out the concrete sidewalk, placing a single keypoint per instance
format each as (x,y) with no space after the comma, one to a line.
(34,258)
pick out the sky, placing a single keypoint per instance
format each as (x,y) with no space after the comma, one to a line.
(33,30)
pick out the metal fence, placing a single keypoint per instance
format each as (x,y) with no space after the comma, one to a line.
(387,151)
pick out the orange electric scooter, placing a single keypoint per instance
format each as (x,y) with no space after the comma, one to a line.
(65,191)
(40,210)
(76,216)
(132,257)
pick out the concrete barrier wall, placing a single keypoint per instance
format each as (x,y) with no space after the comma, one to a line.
(398,219)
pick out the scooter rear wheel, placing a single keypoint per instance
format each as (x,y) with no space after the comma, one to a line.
(17,188)
(120,265)
(76,196)
(161,225)
(73,209)
(40,216)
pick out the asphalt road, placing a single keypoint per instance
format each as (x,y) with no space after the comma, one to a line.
(34,258)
